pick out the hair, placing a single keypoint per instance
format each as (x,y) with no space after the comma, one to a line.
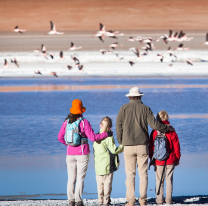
(107,124)
(135,98)
(72,117)
(162,116)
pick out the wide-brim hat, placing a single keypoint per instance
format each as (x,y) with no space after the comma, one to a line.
(134,92)
(77,107)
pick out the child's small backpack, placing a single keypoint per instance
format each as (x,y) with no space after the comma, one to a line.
(160,147)
(72,135)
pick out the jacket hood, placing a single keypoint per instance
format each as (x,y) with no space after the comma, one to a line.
(165,122)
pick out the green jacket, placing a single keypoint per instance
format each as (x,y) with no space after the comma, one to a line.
(132,124)
(105,156)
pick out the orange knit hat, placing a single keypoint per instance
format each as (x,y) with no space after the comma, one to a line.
(77,107)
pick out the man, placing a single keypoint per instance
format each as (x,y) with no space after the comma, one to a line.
(132,132)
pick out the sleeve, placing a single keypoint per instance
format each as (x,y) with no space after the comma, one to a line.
(155,125)
(119,126)
(112,146)
(89,132)
(151,145)
(176,145)
(62,133)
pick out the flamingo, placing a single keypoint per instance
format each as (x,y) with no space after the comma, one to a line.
(160,57)
(120,58)
(170,52)
(136,51)
(73,47)
(180,47)
(16,29)
(6,65)
(206,42)
(131,39)
(164,37)
(54,74)
(104,51)
(37,72)
(43,52)
(140,39)
(80,67)
(131,63)
(53,29)
(100,33)
(15,62)
(61,54)
(114,45)
(69,67)
(189,62)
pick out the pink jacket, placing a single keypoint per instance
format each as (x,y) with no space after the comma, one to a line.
(88,131)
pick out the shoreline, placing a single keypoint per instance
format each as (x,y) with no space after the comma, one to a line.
(177,200)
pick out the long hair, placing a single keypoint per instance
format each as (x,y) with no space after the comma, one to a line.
(106,123)
(72,117)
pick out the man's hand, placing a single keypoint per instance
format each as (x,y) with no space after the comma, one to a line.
(171,129)
(177,163)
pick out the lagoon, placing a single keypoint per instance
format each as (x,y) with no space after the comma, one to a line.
(33,161)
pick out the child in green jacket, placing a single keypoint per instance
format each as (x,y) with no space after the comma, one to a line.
(106,162)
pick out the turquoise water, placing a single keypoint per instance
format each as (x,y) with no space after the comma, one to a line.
(33,161)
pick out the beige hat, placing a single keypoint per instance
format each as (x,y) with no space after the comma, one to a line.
(134,92)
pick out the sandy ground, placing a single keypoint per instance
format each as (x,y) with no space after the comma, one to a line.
(80,18)
(83,15)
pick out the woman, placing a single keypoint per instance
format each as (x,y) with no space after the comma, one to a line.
(173,148)
(78,157)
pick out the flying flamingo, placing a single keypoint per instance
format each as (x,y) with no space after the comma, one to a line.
(101,33)
(136,51)
(53,29)
(6,65)
(189,62)
(131,63)
(180,47)
(170,52)
(206,42)
(16,29)
(114,45)
(160,57)
(73,47)
(43,52)
(15,62)
(131,39)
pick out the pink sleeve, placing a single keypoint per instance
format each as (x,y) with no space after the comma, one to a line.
(62,133)
(89,132)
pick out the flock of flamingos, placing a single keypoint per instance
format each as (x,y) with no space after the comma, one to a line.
(146,42)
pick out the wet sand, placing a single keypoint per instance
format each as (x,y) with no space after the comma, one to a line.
(89,87)
(30,41)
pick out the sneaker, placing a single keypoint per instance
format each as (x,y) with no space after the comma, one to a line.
(129,204)
(79,204)
(71,203)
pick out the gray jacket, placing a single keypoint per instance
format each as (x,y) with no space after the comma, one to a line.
(132,124)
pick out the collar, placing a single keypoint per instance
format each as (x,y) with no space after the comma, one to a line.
(136,101)
(165,122)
